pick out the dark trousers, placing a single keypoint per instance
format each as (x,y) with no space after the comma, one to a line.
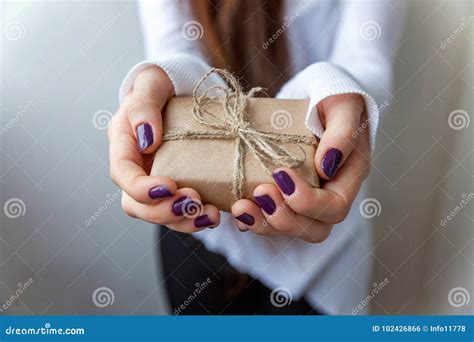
(199,282)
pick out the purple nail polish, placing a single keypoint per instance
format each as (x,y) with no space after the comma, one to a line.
(144,136)
(246,219)
(266,203)
(331,161)
(203,221)
(180,204)
(284,181)
(159,191)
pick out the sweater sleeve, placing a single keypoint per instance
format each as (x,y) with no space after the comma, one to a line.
(360,62)
(184,71)
(172,41)
(168,28)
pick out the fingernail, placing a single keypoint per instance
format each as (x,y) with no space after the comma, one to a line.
(159,191)
(180,204)
(144,136)
(203,221)
(246,219)
(284,181)
(331,161)
(266,203)
(244,230)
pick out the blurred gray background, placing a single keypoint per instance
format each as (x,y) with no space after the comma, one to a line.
(61,65)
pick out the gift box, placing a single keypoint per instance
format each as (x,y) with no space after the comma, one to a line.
(225,146)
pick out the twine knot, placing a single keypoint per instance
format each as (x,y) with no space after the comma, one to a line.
(267,147)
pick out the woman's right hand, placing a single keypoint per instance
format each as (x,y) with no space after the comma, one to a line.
(135,133)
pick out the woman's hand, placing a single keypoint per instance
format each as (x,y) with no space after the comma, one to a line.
(134,135)
(292,207)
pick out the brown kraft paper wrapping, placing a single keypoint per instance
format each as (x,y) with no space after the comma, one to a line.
(207,165)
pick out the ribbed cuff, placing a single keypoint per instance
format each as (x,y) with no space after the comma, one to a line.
(184,71)
(328,79)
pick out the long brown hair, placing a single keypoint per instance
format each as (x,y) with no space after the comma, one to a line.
(238,35)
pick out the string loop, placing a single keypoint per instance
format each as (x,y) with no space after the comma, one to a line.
(267,147)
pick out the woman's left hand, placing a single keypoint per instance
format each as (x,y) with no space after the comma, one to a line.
(292,207)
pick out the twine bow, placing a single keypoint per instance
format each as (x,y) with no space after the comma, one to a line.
(235,125)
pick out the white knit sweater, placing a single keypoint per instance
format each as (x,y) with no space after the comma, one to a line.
(349,45)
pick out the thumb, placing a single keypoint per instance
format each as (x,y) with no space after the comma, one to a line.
(341,116)
(151,90)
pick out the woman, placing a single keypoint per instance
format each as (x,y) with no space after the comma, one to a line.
(258,259)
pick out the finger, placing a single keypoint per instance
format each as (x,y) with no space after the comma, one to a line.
(355,171)
(341,116)
(277,213)
(321,204)
(209,217)
(333,201)
(310,230)
(126,166)
(249,216)
(151,90)
(184,204)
